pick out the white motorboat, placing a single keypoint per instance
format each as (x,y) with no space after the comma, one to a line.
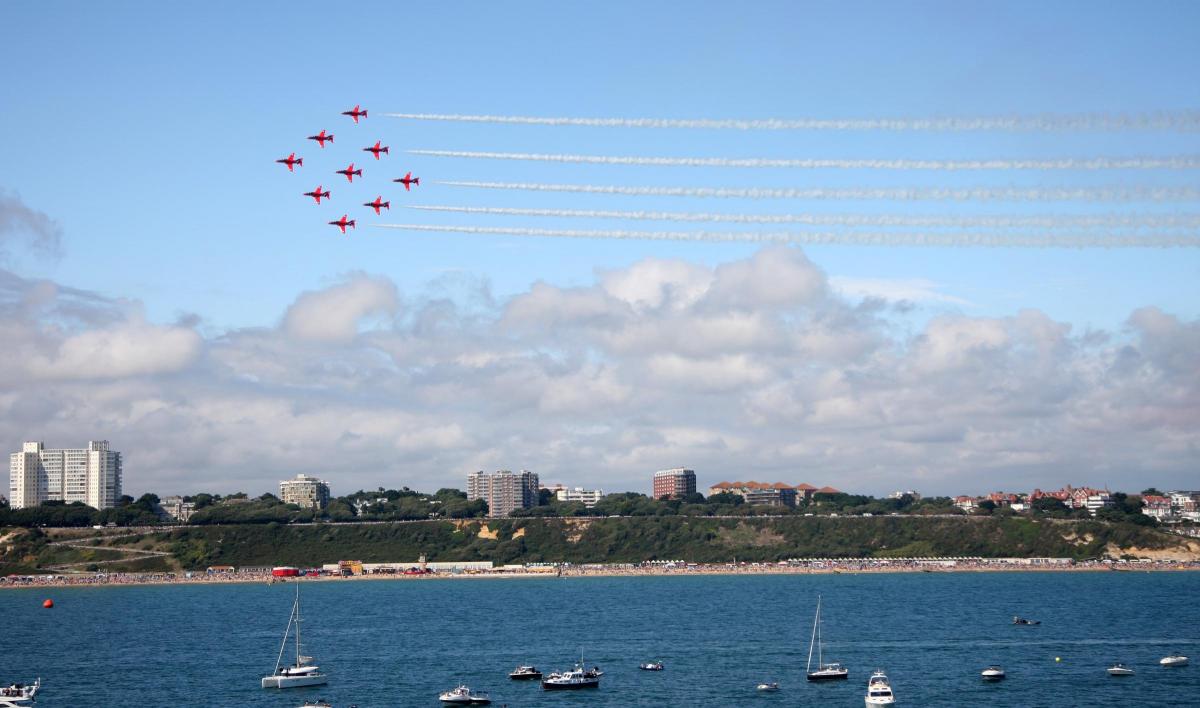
(1173,660)
(463,695)
(1119,669)
(769,687)
(20,693)
(879,691)
(303,672)
(993,673)
(572,680)
(651,666)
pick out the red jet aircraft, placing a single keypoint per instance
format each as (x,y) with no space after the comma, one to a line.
(350,172)
(342,223)
(378,203)
(407,180)
(317,194)
(355,114)
(321,137)
(376,149)
(292,160)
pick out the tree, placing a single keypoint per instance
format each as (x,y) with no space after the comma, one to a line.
(986,507)
(693,498)
(545,496)
(726,498)
(1049,505)
(1152,492)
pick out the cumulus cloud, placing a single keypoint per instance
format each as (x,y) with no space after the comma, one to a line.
(335,313)
(755,368)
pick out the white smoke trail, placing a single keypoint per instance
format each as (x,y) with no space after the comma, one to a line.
(983,194)
(883,238)
(1095,163)
(1040,221)
(1166,121)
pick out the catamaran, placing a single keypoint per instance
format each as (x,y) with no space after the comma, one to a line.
(301,673)
(824,672)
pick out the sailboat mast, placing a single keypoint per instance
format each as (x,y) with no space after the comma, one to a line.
(296,611)
(283,644)
(814,634)
(820,644)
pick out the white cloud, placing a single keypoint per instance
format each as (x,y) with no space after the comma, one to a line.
(751,369)
(335,313)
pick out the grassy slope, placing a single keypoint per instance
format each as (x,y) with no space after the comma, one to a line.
(615,540)
(648,538)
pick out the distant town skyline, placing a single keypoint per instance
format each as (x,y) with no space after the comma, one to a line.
(166,284)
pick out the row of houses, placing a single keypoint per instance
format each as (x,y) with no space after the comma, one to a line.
(770,493)
(1088,498)
(1173,505)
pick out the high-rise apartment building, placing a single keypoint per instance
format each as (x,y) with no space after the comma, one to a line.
(91,475)
(503,491)
(304,491)
(674,483)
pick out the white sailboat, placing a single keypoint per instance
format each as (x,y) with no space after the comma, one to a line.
(301,673)
(824,672)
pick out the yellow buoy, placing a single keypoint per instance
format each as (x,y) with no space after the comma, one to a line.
(1058,658)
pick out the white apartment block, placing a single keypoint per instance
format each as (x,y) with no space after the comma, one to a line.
(305,491)
(589,497)
(504,491)
(91,475)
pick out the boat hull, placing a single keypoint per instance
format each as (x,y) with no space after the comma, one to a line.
(589,683)
(525,677)
(294,681)
(828,676)
(872,702)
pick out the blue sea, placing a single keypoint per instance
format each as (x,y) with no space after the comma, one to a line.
(401,642)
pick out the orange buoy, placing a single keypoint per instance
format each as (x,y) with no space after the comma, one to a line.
(48,603)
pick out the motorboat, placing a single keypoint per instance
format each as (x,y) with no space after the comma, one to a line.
(824,672)
(1119,669)
(1022,620)
(317,704)
(651,666)
(879,691)
(20,693)
(993,673)
(572,680)
(463,695)
(525,673)
(593,672)
(301,673)
(769,687)
(1173,660)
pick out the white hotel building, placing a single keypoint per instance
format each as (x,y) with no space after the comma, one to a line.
(91,475)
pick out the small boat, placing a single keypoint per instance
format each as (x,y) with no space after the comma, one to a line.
(463,695)
(317,704)
(18,693)
(824,672)
(769,687)
(593,672)
(525,673)
(879,691)
(651,666)
(1119,669)
(1173,660)
(572,680)
(1022,620)
(993,673)
(301,673)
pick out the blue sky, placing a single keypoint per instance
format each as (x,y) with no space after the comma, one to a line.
(149,131)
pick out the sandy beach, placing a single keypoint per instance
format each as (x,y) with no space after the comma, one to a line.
(856,566)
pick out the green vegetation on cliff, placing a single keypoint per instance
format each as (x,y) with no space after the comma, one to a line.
(616,540)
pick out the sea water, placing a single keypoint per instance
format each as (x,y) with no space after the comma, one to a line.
(402,642)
